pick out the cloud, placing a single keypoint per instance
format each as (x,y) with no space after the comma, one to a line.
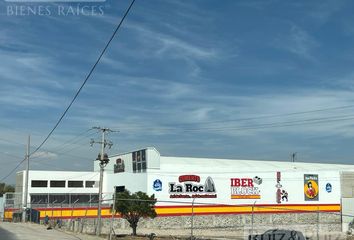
(324,11)
(298,42)
(170,46)
(44,154)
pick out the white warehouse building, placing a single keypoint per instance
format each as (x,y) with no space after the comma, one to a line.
(212,186)
(58,187)
(222,184)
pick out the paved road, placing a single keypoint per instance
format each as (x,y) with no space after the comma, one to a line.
(22,231)
(6,235)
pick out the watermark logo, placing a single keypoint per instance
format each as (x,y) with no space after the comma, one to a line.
(57,1)
(55,7)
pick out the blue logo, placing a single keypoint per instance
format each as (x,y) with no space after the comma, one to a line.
(329,187)
(157,186)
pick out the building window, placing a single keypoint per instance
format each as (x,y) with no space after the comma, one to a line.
(39,198)
(75,184)
(57,184)
(59,198)
(139,161)
(91,184)
(62,199)
(39,183)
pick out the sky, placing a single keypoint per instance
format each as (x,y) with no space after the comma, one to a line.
(202,78)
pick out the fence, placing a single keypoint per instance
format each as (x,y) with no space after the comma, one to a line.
(205,220)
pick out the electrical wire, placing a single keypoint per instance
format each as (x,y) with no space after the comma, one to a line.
(86,79)
(251,126)
(281,115)
(13,170)
(73,140)
(258,117)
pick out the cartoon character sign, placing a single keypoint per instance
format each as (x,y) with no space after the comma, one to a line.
(284,196)
(281,194)
(311,190)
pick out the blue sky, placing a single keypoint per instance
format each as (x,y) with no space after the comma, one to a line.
(191,78)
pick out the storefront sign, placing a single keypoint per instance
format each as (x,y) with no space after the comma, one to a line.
(157,185)
(119,166)
(244,188)
(189,186)
(311,191)
(329,187)
(281,194)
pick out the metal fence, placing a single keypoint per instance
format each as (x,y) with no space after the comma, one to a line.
(192,223)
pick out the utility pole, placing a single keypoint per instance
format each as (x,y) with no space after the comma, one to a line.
(293,156)
(26,180)
(103,158)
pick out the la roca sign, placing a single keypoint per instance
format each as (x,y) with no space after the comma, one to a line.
(189,186)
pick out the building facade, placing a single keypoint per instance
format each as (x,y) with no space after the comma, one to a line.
(201,186)
(226,186)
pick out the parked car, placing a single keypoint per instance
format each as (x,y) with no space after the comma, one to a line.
(279,234)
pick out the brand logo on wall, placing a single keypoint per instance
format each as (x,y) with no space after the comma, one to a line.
(244,188)
(189,186)
(329,187)
(281,194)
(311,187)
(157,185)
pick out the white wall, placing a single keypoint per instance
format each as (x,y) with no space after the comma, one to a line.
(67,176)
(132,181)
(292,182)
(60,175)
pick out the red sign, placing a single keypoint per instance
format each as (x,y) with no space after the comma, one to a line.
(189,178)
(243,188)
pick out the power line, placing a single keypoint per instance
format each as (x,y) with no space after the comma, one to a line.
(285,114)
(13,170)
(250,127)
(86,79)
(254,126)
(279,124)
(268,116)
(78,91)
(73,140)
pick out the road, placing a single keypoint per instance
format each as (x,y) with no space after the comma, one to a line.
(21,231)
(6,235)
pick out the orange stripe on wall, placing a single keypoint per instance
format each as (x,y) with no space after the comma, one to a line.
(187,210)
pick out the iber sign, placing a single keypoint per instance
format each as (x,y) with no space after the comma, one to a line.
(243,188)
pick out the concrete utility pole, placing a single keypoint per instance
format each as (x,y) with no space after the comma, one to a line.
(103,158)
(25,200)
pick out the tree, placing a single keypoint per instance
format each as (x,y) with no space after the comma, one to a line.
(134,206)
(6,188)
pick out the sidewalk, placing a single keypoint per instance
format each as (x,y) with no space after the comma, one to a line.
(28,231)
